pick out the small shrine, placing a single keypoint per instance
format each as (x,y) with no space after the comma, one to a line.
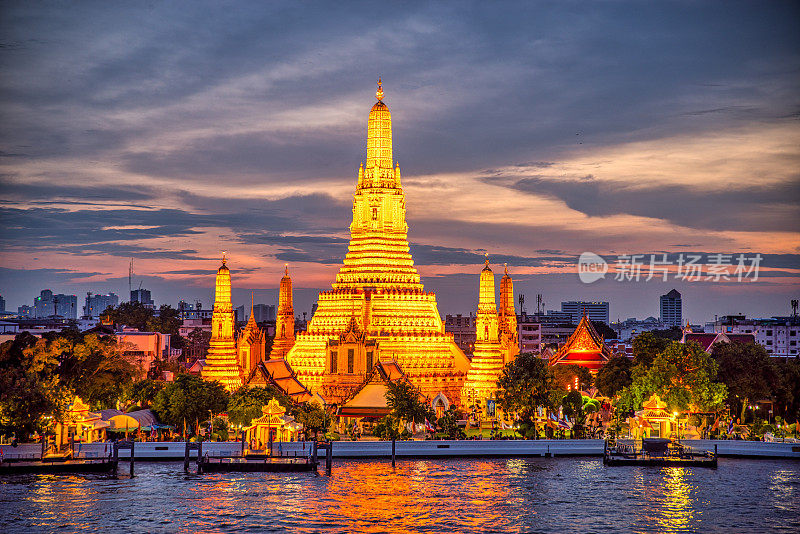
(81,425)
(273,425)
(653,420)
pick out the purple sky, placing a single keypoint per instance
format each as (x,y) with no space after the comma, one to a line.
(168,132)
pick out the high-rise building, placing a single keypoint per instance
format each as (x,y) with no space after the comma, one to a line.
(47,305)
(596,311)
(378,309)
(671,309)
(97,304)
(26,311)
(222,360)
(264,312)
(143,296)
(2,304)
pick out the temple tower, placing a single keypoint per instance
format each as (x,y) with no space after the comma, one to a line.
(378,309)
(487,358)
(250,344)
(284,324)
(221,361)
(507,317)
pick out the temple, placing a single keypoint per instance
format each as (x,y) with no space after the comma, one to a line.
(378,309)
(585,347)
(222,361)
(250,344)
(284,324)
(496,341)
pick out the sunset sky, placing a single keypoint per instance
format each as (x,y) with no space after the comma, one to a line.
(168,132)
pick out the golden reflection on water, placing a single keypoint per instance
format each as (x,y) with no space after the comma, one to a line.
(415,495)
(675,506)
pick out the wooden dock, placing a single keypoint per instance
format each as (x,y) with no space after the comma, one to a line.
(51,467)
(656,452)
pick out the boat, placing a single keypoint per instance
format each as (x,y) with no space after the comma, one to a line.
(658,452)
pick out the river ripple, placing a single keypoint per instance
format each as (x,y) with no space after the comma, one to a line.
(515,495)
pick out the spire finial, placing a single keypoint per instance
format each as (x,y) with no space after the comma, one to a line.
(486,254)
(379,92)
(224,252)
(505,266)
(286,269)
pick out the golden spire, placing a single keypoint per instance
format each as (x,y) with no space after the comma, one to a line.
(486,267)
(286,269)
(379,137)
(224,252)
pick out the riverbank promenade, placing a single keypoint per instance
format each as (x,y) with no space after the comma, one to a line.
(156,451)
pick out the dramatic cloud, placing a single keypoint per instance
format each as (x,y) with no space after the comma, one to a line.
(168,133)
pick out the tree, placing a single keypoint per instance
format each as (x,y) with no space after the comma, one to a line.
(95,368)
(788,394)
(168,321)
(197,342)
(29,386)
(448,424)
(189,399)
(523,386)
(143,392)
(605,331)
(748,371)
(564,376)
(403,400)
(614,376)
(313,417)
(245,403)
(133,314)
(646,347)
(683,375)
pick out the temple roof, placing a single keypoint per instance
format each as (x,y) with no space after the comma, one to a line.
(278,372)
(585,347)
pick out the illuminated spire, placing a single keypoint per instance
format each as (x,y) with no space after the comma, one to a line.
(222,361)
(379,92)
(284,324)
(379,135)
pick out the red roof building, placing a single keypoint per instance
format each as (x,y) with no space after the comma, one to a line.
(585,347)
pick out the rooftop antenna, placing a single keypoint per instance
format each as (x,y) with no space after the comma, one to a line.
(539,303)
(794,307)
(521,299)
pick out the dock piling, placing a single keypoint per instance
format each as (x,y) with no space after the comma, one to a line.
(393,451)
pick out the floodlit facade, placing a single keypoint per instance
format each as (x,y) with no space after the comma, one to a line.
(222,360)
(284,322)
(377,309)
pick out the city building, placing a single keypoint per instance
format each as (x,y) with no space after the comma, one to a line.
(708,340)
(2,304)
(671,307)
(97,304)
(378,309)
(596,311)
(144,347)
(463,329)
(190,325)
(222,363)
(780,336)
(264,313)
(632,327)
(194,311)
(585,347)
(143,296)
(47,305)
(26,311)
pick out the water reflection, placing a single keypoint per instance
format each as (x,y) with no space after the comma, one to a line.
(676,508)
(516,495)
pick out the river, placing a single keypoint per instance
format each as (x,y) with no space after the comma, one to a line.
(458,495)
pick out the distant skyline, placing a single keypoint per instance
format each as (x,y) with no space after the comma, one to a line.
(532,131)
